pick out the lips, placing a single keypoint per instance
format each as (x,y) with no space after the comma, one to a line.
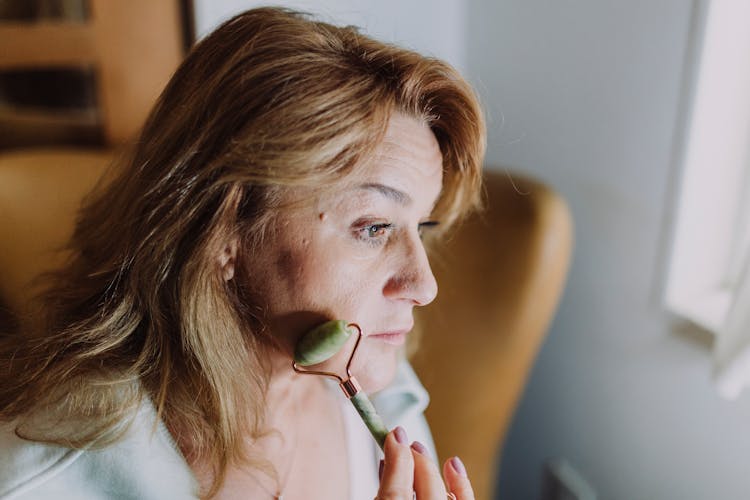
(393,337)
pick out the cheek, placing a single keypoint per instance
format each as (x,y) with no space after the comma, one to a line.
(310,285)
(320,280)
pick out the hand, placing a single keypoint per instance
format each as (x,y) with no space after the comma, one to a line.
(408,471)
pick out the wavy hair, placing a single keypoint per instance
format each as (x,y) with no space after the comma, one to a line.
(270,99)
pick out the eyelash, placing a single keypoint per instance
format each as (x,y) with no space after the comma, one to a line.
(375,234)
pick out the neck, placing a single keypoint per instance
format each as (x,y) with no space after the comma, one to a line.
(288,391)
(287,394)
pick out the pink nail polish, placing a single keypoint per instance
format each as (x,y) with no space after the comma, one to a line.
(458,466)
(401,436)
(420,448)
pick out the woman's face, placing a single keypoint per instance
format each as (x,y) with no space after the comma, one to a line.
(355,252)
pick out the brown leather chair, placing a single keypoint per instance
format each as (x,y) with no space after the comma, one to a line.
(40,191)
(500,279)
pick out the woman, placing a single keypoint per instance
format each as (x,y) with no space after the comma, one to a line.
(287,175)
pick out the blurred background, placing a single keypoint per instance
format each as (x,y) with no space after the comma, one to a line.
(598,99)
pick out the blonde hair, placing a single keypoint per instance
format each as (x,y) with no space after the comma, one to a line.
(270,99)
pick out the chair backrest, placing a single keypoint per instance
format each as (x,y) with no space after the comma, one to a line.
(40,191)
(500,278)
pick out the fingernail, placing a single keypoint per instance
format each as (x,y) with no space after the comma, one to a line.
(380,469)
(419,448)
(458,466)
(401,436)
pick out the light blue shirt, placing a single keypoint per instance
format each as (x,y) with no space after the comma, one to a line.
(147,465)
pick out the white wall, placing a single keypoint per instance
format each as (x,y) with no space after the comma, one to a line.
(434,28)
(584,94)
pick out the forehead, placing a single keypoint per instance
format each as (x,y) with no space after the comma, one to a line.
(408,158)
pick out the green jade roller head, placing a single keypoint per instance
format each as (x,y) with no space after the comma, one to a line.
(322,343)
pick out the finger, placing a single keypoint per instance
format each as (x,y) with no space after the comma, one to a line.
(398,468)
(427,480)
(457,480)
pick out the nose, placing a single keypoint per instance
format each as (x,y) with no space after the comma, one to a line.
(413,279)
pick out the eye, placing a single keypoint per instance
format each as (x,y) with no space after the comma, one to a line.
(376,230)
(373,234)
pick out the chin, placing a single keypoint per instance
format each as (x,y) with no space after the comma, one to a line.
(376,370)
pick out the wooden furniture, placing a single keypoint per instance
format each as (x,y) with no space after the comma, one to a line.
(500,279)
(132,47)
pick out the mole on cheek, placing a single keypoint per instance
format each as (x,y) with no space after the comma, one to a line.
(322,216)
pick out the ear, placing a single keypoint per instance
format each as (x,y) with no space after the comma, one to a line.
(227,259)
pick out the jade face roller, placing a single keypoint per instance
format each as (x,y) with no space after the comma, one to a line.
(320,344)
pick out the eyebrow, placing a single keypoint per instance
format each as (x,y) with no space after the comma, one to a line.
(392,193)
